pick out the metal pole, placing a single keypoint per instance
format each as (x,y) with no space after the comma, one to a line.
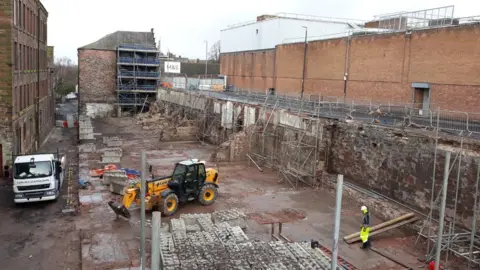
(304,61)
(429,219)
(155,257)
(206,58)
(474,220)
(442,210)
(142,211)
(338,210)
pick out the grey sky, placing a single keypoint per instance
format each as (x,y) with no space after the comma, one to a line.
(183,25)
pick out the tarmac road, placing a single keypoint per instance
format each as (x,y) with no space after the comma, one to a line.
(39,235)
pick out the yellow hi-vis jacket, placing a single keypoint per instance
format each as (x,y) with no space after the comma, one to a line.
(365,230)
(364,234)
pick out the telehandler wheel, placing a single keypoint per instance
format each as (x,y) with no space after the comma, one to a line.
(208,194)
(169,204)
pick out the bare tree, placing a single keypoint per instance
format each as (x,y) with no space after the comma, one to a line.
(215,52)
(64,76)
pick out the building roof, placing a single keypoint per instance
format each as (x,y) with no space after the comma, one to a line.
(41,157)
(192,161)
(111,41)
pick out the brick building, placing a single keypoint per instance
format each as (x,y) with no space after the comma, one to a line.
(109,71)
(433,66)
(26,102)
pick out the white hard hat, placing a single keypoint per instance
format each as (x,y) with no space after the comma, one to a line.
(363,208)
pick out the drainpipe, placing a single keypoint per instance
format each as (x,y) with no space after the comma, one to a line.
(78,95)
(304,61)
(347,65)
(37,105)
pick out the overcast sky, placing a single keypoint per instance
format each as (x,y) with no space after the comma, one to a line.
(183,25)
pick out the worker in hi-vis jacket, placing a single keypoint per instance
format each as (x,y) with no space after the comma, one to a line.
(365,229)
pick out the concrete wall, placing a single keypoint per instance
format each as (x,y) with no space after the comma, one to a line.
(396,163)
(97,82)
(379,67)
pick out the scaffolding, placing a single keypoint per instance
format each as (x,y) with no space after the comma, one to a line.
(425,18)
(292,148)
(451,238)
(138,76)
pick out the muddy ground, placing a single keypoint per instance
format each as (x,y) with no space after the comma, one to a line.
(307,213)
(39,235)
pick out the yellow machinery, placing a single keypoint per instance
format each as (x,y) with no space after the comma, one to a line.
(189,181)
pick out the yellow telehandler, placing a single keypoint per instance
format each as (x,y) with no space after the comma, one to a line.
(189,181)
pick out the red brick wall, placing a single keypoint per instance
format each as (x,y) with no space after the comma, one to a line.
(380,67)
(249,70)
(97,70)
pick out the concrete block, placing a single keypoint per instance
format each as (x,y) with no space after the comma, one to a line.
(170,259)
(110,159)
(238,234)
(177,225)
(107,139)
(86,148)
(117,176)
(239,265)
(206,224)
(192,228)
(222,225)
(114,143)
(297,250)
(191,219)
(234,217)
(277,266)
(112,152)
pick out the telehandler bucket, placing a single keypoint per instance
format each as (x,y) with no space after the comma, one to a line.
(119,209)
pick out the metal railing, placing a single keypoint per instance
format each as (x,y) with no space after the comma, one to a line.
(148,74)
(138,60)
(376,112)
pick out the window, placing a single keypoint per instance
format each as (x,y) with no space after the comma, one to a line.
(24,25)
(27,20)
(21,99)
(32,170)
(24,57)
(15,8)
(15,60)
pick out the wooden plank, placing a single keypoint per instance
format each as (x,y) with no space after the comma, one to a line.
(391,227)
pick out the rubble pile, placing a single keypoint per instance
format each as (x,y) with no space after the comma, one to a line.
(217,241)
(160,118)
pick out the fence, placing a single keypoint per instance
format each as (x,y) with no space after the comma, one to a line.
(376,112)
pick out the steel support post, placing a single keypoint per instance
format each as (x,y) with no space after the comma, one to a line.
(442,210)
(474,219)
(338,211)
(142,211)
(155,257)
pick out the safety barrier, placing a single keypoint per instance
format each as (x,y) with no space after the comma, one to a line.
(136,47)
(384,113)
(131,60)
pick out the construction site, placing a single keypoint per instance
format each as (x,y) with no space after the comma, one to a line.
(287,151)
(278,170)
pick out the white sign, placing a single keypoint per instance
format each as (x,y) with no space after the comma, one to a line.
(172,67)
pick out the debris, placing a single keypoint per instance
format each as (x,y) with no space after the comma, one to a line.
(260,169)
(100,172)
(83,184)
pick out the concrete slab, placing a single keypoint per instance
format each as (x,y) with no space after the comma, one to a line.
(104,249)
